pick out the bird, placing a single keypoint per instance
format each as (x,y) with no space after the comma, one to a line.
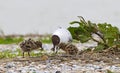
(29,45)
(61,35)
(69,48)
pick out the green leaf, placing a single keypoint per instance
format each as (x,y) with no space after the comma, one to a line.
(84,39)
(108,71)
(74,22)
(109,34)
(99,48)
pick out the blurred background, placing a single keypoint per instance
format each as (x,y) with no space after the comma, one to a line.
(45,16)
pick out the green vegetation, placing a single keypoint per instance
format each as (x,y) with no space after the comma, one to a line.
(16,40)
(10,40)
(108,71)
(108,34)
(45,39)
(10,54)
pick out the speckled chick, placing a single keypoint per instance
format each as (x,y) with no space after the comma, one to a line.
(70,49)
(29,45)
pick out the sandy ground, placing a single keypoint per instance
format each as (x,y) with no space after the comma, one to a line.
(86,62)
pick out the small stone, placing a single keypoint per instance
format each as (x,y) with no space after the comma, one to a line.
(117,58)
(58,72)
(44,58)
(10,65)
(11,71)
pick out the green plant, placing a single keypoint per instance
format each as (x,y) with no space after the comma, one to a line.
(108,71)
(10,40)
(18,52)
(109,34)
(7,54)
(45,39)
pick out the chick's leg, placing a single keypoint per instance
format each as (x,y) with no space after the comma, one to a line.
(23,54)
(29,54)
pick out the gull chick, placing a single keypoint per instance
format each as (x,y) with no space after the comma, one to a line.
(69,48)
(29,45)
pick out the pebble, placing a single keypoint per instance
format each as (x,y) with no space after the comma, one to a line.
(54,66)
(58,72)
(10,65)
(18,67)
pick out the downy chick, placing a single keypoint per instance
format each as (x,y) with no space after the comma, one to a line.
(29,45)
(70,49)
